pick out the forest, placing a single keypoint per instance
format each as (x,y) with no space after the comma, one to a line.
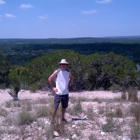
(22,51)
(95,65)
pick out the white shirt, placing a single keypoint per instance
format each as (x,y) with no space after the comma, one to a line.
(62,81)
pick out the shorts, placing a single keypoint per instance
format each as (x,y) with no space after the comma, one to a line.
(64,99)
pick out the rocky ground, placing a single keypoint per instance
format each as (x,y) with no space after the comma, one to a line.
(91,115)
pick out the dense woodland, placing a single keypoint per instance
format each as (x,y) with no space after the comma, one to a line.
(22,51)
(95,64)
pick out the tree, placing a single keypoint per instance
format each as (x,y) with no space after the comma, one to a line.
(19,78)
(4,70)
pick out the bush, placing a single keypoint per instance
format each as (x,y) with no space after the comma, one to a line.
(132,94)
(25,117)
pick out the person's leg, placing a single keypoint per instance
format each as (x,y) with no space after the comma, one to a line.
(56,104)
(64,103)
(54,111)
(63,113)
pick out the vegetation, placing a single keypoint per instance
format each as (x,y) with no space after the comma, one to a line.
(22,51)
(90,72)
(112,118)
(96,63)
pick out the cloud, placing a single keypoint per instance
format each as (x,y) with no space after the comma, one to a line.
(2,2)
(90,12)
(43,17)
(25,6)
(9,15)
(103,1)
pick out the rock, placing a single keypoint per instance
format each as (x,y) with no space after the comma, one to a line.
(74,137)
(73,126)
(126,138)
(56,134)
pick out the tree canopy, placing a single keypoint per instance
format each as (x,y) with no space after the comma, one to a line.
(90,72)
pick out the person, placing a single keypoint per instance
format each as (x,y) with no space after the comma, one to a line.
(63,78)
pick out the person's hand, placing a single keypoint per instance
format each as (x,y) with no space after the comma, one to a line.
(55,89)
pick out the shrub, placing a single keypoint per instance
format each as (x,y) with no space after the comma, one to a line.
(108,127)
(135,128)
(132,94)
(43,111)
(118,112)
(3,112)
(135,110)
(123,96)
(25,117)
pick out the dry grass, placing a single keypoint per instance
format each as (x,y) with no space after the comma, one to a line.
(30,119)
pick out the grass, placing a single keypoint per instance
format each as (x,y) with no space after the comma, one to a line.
(135,110)
(25,117)
(108,127)
(3,112)
(90,113)
(105,116)
(119,112)
(43,111)
(135,130)
(124,95)
(132,94)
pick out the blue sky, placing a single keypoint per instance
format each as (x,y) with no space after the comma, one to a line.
(69,18)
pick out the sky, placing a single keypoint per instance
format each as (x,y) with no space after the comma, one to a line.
(69,18)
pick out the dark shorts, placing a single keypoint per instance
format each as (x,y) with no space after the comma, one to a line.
(63,99)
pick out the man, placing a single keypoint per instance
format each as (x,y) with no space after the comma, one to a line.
(63,78)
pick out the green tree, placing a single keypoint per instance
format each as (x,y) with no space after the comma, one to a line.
(19,78)
(90,72)
(4,70)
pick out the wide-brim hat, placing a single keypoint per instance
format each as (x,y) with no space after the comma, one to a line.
(63,61)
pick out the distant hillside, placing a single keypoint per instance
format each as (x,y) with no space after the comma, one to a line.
(22,51)
(125,40)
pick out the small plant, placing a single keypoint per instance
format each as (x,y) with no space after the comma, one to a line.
(17,104)
(132,94)
(3,112)
(97,100)
(118,112)
(1,132)
(135,110)
(135,128)
(81,125)
(8,104)
(108,127)
(123,95)
(77,107)
(49,132)
(101,109)
(42,111)
(24,117)
(89,112)
(43,101)
(92,137)
(27,105)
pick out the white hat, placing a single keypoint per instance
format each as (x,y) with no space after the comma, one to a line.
(64,61)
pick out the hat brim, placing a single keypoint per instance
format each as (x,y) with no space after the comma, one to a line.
(63,63)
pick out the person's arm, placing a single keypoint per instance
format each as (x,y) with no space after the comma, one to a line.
(50,79)
(70,79)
